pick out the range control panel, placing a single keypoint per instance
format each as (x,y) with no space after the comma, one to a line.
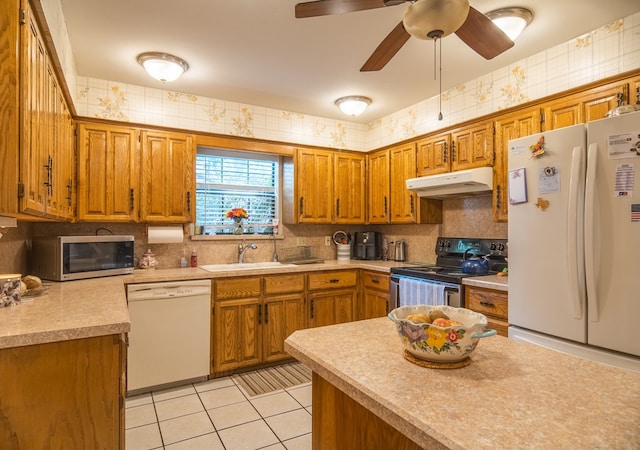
(451,246)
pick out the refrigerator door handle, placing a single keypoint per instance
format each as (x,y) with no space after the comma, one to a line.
(573,232)
(589,242)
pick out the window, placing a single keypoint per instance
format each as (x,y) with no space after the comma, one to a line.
(227,179)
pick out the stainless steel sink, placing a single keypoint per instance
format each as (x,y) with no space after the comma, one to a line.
(243,266)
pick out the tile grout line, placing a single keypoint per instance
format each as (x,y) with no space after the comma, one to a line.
(154,402)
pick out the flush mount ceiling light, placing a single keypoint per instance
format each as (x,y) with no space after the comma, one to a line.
(511,20)
(353,105)
(163,66)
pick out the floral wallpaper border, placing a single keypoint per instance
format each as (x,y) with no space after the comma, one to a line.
(606,51)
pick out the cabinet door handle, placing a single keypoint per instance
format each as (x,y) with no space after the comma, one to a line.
(498,196)
(444,152)
(48,167)
(131,199)
(485,303)
(259,314)
(311,309)
(375,281)
(385,205)
(453,151)
(411,205)
(69,191)
(338,208)
(188,201)
(266,313)
(334,280)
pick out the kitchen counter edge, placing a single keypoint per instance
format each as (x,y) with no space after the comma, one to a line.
(98,306)
(512,395)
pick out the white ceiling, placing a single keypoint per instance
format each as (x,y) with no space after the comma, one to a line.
(256,52)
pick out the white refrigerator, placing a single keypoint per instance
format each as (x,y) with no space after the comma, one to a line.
(574,240)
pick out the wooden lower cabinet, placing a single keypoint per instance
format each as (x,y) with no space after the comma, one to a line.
(331,307)
(332,297)
(492,303)
(375,295)
(64,395)
(339,422)
(252,317)
(236,336)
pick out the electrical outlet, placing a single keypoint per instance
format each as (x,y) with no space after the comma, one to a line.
(301,241)
(327,240)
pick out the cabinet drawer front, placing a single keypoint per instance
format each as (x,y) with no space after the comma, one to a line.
(375,281)
(332,280)
(237,288)
(491,303)
(281,284)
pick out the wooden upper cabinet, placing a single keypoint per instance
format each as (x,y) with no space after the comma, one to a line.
(314,183)
(584,107)
(432,155)
(403,201)
(108,169)
(511,126)
(46,132)
(472,147)
(167,180)
(349,188)
(35,157)
(66,176)
(378,187)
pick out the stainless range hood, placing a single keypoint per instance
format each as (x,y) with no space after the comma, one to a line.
(463,183)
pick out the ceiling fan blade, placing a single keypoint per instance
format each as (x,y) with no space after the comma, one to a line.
(387,49)
(483,36)
(330,7)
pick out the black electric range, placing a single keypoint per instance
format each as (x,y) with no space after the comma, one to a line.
(450,253)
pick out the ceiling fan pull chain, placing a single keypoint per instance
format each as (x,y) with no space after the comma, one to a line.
(440,94)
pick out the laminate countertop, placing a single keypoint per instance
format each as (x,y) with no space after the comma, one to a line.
(512,395)
(98,306)
(488,282)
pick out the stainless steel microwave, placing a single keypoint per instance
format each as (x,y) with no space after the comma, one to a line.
(63,258)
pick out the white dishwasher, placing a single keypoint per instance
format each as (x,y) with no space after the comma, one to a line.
(170,336)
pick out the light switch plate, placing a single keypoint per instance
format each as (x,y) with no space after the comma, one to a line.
(327,240)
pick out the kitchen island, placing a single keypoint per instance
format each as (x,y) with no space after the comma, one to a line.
(512,395)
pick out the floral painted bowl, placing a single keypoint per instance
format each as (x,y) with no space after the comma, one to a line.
(445,344)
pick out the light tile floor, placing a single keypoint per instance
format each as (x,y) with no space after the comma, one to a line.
(218,415)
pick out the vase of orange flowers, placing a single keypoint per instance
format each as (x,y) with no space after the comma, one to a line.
(238,215)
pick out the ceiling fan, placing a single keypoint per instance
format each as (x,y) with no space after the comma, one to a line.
(423,19)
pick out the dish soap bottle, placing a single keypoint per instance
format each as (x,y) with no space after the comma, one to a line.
(183,260)
(194,258)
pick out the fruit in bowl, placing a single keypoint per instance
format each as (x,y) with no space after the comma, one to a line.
(439,333)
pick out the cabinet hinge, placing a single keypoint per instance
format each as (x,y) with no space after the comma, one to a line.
(23,17)
(20,190)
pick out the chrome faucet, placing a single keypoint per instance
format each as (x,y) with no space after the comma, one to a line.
(242,249)
(275,254)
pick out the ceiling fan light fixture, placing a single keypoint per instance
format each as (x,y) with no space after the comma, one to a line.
(353,105)
(162,66)
(511,20)
(425,16)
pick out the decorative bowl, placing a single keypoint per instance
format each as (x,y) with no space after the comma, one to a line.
(440,344)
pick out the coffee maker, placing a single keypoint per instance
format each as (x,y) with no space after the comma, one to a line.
(367,245)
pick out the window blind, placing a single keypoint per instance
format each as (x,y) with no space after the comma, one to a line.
(227,179)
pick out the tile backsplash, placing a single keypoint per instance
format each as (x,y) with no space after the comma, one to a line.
(468,217)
